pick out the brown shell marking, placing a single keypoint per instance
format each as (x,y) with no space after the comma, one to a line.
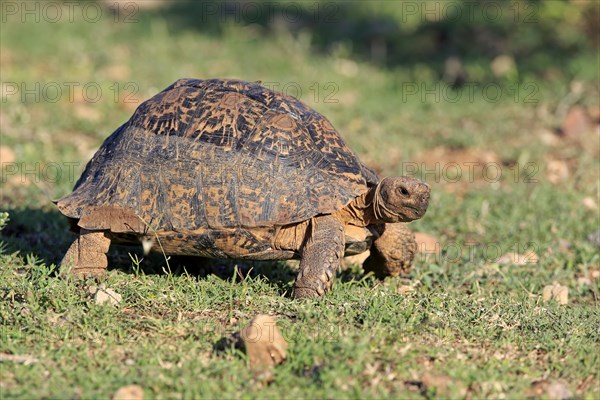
(221,154)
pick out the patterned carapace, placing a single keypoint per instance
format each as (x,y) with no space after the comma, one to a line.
(221,154)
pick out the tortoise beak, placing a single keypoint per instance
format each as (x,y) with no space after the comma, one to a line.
(418,200)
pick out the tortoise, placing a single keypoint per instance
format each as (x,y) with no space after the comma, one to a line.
(225,168)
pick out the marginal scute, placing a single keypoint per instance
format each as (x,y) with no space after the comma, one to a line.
(217,154)
(114,218)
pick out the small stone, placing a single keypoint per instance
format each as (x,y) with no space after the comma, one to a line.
(593,111)
(444,385)
(564,245)
(107,295)
(557,171)
(584,281)
(129,392)
(265,346)
(427,244)
(503,65)
(558,391)
(590,203)
(557,292)
(17,358)
(7,155)
(577,122)
(594,238)
(404,289)
(553,390)
(518,259)
(438,382)
(549,138)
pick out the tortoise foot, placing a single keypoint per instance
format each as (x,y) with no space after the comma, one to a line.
(311,288)
(393,252)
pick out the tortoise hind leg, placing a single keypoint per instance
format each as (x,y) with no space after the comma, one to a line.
(87,255)
(392,252)
(321,256)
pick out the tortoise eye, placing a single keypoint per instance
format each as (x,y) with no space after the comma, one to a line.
(402,191)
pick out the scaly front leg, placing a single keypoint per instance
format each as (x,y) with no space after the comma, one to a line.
(322,253)
(86,255)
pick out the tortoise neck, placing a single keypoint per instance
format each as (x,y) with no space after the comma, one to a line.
(360,211)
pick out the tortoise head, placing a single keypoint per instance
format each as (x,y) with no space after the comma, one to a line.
(400,199)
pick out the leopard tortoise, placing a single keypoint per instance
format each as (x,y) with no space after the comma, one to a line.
(230,169)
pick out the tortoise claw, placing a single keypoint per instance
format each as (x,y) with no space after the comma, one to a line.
(324,278)
(312,292)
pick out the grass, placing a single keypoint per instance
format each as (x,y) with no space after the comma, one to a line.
(461,325)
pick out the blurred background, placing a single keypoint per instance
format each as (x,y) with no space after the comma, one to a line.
(482,99)
(494,103)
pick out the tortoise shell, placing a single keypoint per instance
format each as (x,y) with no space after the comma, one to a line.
(218,154)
